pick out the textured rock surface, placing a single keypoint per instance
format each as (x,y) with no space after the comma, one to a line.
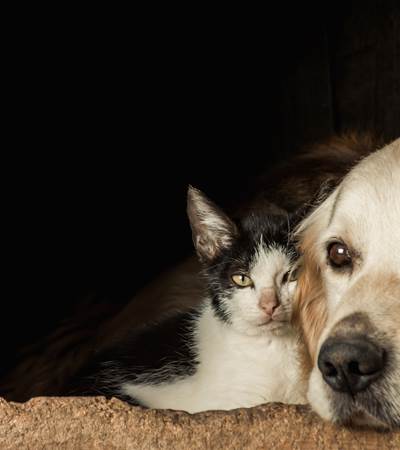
(97,423)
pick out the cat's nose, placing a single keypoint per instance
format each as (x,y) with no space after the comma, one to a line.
(268,301)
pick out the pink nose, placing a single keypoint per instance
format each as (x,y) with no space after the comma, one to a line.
(268,301)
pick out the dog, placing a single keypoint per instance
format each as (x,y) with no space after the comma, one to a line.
(348,295)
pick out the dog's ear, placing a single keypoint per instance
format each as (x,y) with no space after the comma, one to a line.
(212,229)
(324,191)
(309,308)
(309,305)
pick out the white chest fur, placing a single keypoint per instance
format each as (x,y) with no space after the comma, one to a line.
(234,371)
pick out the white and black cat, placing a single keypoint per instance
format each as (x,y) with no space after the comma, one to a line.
(238,348)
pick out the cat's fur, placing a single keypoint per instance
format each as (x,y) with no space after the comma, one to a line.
(237,349)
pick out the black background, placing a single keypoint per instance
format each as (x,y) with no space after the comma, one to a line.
(118,111)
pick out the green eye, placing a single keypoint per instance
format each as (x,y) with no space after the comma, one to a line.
(242,280)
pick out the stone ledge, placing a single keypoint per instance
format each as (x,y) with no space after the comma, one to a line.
(98,423)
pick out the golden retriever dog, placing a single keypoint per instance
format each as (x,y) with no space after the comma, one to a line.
(349,295)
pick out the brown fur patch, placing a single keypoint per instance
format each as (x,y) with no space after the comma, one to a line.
(309,311)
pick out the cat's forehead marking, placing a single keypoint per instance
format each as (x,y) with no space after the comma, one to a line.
(268,261)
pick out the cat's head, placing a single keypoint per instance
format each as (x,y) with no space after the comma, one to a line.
(248,265)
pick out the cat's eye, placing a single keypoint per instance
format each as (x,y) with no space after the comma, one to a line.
(290,275)
(339,255)
(242,280)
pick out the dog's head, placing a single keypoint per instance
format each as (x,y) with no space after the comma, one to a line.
(349,295)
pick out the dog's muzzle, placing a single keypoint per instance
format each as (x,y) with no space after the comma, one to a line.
(351,364)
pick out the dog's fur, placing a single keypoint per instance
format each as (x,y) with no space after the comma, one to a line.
(364,212)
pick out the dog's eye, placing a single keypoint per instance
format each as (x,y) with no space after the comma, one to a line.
(242,280)
(339,255)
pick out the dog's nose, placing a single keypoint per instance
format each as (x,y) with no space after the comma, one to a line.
(350,365)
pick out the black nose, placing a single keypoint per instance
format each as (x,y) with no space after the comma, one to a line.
(350,365)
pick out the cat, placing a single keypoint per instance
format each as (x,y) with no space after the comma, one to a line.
(237,348)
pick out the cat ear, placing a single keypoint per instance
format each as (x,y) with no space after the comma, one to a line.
(212,229)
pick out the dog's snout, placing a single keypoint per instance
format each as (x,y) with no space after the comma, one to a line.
(350,365)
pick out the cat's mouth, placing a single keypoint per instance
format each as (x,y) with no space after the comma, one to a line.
(273,323)
(278,319)
(263,324)
(273,327)
(279,316)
